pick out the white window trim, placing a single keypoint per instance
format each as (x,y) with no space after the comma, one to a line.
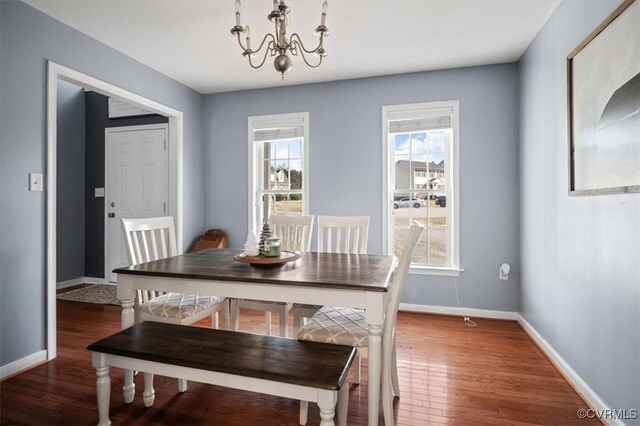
(388,173)
(273,120)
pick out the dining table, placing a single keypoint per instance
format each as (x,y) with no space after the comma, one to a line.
(346,280)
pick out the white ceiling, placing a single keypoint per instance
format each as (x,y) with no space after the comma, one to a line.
(189,40)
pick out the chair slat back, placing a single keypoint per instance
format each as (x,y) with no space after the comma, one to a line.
(149,239)
(343,234)
(294,231)
(399,278)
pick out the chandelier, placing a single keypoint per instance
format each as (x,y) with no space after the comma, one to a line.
(279,44)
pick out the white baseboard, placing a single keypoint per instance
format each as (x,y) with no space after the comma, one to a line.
(93,280)
(446,310)
(69,283)
(580,386)
(22,364)
(80,280)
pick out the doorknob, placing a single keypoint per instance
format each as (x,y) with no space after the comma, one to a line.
(112,215)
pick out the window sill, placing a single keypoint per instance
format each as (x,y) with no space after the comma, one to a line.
(433,270)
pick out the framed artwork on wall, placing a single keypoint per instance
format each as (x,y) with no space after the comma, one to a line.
(604,106)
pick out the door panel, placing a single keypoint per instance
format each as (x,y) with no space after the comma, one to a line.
(137,180)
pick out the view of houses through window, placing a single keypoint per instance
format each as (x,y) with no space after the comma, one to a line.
(420,193)
(277,162)
(280,189)
(420,184)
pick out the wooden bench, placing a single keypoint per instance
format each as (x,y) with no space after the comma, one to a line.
(272,365)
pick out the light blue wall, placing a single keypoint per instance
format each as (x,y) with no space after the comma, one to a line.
(346,165)
(580,285)
(27,39)
(70,195)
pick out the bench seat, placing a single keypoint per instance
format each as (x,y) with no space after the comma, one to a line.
(265,364)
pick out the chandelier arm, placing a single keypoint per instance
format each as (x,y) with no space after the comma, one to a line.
(304,58)
(299,41)
(264,58)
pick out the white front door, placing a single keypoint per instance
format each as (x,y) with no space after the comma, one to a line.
(136,184)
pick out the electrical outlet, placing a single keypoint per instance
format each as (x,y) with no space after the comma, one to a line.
(35,182)
(99,192)
(503,271)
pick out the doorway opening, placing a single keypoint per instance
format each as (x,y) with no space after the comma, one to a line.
(173,130)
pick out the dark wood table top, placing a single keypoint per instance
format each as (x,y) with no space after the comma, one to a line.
(327,270)
(318,365)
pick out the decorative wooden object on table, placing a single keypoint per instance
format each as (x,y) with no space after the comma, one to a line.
(264,364)
(285,256)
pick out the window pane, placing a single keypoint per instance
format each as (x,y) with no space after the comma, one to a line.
(295,204)
(295,174)
(403,173)
(437,246)
(295,148)
(401,212)
(280,150)
(419,146)
(281,204)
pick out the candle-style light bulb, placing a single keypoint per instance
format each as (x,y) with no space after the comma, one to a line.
(238,13)
(247,32)
(325,8)
(275,4)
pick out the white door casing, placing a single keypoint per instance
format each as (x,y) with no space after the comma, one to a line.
(136,183)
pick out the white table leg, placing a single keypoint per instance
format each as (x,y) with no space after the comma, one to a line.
(374,372)
(343,404)
(149,394)
(327,404)
(375,317)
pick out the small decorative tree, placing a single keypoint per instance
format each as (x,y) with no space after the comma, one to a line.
(264,234)
(251,245)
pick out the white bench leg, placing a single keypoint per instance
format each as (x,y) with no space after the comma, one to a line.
(327,404)
(182,385)
(149,395)
(356,373)
(103,392)
(343,404)
(129,388)
(304,412)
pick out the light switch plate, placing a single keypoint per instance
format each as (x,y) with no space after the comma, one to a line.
(99,192)
(35,182)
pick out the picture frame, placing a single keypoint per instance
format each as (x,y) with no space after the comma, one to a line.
(603,101)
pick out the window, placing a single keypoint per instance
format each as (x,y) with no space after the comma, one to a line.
(421,176)
(278,167)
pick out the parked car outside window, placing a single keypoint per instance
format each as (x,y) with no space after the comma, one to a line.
(408,202)
(441,200)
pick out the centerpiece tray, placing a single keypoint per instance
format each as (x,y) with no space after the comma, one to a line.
(285,256)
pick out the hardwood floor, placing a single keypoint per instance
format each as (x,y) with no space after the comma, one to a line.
(449,374)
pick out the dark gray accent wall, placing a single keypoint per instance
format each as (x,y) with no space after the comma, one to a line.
(28,38)
(345,157)
(70,194)
(97,121)
(580,284)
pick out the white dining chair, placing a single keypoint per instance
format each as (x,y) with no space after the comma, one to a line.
(154,238)
(336,234)
(347,326)
(295,234)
